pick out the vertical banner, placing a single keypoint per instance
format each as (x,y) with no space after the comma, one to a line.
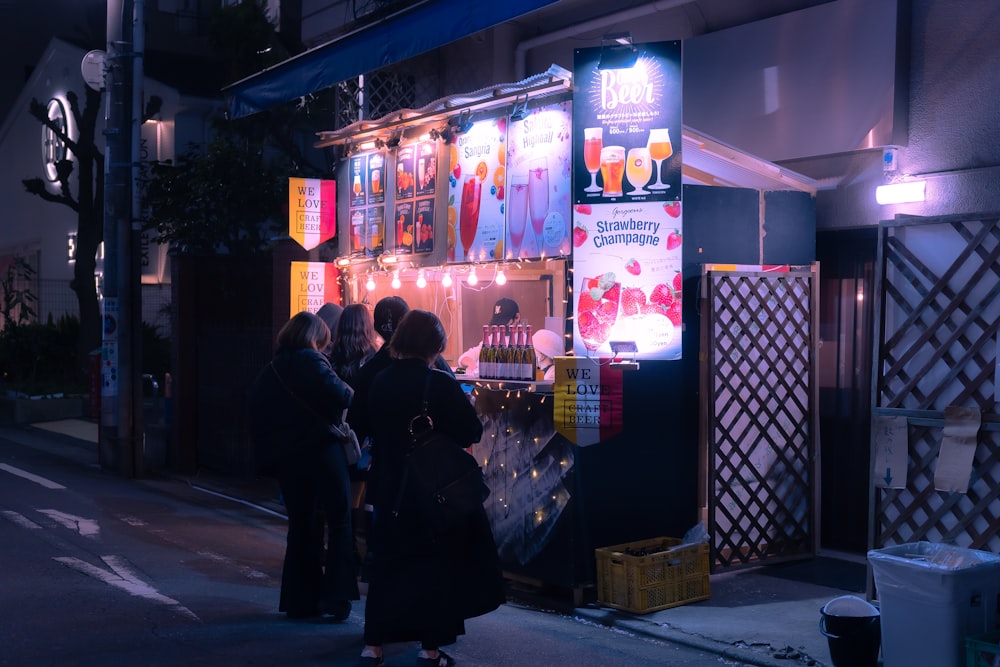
(312,285)
(588,400)
(539,158)
(312,211)
(627,224)
(476,192)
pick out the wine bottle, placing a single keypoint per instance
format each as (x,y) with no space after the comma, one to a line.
(521,370)
(484,353)
(529,353)
(496,369)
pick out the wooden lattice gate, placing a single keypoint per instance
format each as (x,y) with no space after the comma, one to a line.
(759,416)
(936,346)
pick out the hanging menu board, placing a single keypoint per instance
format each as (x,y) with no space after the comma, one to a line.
(416,178)
(366,207)
(476,177)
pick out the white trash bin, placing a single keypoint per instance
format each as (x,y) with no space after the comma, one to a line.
(931,597)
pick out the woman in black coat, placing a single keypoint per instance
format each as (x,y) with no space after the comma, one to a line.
(422,585)
(292,403)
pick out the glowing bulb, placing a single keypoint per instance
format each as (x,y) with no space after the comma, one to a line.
(446,280)
(421,281)
(370,285)
(501,278)
(396,284)
(473,279)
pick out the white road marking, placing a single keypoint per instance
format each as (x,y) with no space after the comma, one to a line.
(48,484)
(86,527)
(123,578)
(21,520)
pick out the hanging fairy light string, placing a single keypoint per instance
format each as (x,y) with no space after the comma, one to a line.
(421,280)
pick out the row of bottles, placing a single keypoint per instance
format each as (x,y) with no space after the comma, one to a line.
(507,353)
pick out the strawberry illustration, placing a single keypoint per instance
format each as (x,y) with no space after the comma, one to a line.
(673,209)
(583,209)
(674,240)
(579,236)
(662,294)
(678,283)
(654,309)
(632,266)
(633,300)
(674,312)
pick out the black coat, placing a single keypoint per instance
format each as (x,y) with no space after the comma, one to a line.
(283,426)
(422,586)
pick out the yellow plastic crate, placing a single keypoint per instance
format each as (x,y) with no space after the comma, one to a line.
(983,650)
(653,574)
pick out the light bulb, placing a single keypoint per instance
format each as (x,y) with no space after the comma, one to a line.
(396,284)
(501,278)
(370,285)
(473,279)
(421,281)
(446,280)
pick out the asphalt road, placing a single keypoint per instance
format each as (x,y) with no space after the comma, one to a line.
(101,570)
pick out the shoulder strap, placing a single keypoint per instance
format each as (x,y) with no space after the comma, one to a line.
(296,397)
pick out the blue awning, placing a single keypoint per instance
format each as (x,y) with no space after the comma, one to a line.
(405,34)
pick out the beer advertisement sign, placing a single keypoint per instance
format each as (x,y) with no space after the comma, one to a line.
(312,285)
(312,211)
(627,230)
(588,400)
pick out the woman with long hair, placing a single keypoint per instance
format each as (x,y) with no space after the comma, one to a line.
(293,402)
(355,342)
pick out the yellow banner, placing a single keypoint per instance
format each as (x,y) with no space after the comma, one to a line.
(588,399)
(312,211)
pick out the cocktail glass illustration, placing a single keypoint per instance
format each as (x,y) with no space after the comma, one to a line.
(597,309)
(517,211)
(538,196)
(612,169)
(660,149)
(638,169)
(469,215)
(593,138)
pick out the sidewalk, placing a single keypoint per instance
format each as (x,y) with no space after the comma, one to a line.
(766,616)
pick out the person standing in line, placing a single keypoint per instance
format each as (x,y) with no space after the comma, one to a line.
(388,313)
(330,314)
(292,403)
(354,345)
(423,584)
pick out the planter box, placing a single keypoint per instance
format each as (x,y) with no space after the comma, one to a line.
(33,410)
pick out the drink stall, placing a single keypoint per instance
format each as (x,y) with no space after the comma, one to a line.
(562,192)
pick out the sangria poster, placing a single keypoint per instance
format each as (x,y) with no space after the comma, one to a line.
(627,227)
(539,167)
(476,178)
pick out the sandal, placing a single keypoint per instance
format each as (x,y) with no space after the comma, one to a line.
(443,660)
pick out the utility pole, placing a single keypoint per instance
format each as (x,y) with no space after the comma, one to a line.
(122,433)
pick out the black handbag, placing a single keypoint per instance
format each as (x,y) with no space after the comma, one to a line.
(447,482)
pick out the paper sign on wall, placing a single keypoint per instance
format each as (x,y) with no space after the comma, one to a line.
(312,285)
(891,451)
(958,448)
(588,400)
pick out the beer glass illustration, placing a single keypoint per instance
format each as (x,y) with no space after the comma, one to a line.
(612,169)
(538,196)
(376,181)
(469,215)
(517,211)
(592,143)
(660,149)
(357,184)
(638,169)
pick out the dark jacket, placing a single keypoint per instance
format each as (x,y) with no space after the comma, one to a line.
(422,586)
(282,424)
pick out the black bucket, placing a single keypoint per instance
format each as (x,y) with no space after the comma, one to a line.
(853,629)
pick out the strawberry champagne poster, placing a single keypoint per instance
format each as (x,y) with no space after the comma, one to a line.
(627,216)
